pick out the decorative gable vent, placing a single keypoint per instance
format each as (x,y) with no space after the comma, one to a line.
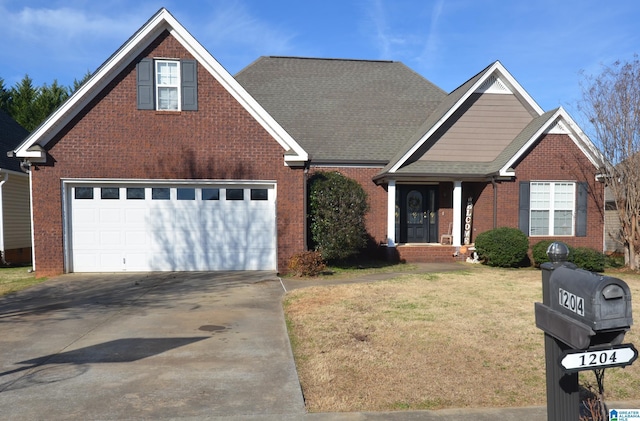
(558,128)
(493,85)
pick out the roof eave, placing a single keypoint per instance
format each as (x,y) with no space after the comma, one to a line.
(161,21)
(579,138)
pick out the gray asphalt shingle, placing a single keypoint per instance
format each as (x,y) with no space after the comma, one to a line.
(343,109)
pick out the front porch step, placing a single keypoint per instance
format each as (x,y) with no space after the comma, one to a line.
(428,253)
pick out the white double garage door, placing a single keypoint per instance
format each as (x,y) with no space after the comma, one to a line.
(177,226)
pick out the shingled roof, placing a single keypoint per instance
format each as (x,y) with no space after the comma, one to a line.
(343,110)
(381,112)
(11,134)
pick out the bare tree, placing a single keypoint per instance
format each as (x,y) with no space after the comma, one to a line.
(611,103)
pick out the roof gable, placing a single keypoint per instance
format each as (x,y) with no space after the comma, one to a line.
(479,130)
(32,147)
(494,79)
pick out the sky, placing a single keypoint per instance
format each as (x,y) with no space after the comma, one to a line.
(547,45)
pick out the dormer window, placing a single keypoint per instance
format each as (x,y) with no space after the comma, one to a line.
(167,85)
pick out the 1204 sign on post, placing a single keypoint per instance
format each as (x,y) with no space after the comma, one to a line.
(617,356)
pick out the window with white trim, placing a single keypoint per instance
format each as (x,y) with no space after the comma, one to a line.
(167,85)
(552,208)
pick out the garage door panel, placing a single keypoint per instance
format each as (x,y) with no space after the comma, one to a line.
(136,262)
(111,261)
(86,215)
(85,239)
(110,239)
(173,235)
(136,216)
(110,216)
(136,238)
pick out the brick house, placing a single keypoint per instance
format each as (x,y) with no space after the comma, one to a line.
(164,161)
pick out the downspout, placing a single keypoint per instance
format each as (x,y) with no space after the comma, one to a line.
(495,202)
(305,203)
(2,253)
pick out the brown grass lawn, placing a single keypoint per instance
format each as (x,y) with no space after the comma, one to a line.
(431,341)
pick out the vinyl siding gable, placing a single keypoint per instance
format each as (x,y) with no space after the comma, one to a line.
(16,216)
(480,130)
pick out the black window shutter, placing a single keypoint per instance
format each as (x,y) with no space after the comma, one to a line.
(144,70)
(189,86)
(523,207)
(581,210)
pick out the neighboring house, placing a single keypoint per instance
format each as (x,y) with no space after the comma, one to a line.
(164,161)
(15,211)
(613,242)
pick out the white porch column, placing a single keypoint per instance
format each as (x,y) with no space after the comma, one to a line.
(457,213)
(391,213)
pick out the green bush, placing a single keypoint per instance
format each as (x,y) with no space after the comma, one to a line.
(307,263)
(337,209)
(503,247)
(587,258)
(539,252)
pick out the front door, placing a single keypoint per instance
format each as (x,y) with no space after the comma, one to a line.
(418,216)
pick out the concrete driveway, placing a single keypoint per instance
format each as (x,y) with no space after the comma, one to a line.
(148,346)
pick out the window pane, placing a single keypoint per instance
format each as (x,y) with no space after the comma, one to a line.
(186,194)
(563,196)
(259,194)
(135,192)
(210,194)
(83,193)
(539,222)
(110,193)
(167,73)
(167,98)
(235,194)
(562,222)
(160,193)
(540,195)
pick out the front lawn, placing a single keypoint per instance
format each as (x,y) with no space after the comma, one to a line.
(14,279)
(431,341)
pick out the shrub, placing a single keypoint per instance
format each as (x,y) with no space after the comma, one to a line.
(307,263)
(337,209)
(539,252)
(587,258)
(503,247)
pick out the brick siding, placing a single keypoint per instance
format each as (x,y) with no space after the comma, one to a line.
(112,139)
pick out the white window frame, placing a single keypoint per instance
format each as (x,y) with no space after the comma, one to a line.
(159,85)
(551,205)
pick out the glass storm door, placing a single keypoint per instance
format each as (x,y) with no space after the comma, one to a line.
(418,214)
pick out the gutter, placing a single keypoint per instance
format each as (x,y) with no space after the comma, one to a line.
(2,254)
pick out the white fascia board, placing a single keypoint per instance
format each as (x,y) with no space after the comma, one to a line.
(63,115)
(575,134)
(163,20)
(237,91)
(504,75)
(514,86)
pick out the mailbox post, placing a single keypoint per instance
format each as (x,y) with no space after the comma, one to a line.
(584,316)
(563,393)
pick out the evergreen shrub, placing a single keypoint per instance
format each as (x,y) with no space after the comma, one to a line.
(337,209)
(503,247)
